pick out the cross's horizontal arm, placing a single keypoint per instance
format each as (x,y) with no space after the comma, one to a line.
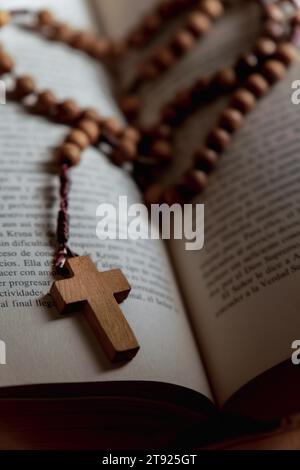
(117,282)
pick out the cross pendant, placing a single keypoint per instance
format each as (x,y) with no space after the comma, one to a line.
(97,294)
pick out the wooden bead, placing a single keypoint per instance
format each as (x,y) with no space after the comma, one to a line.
(195,180)
(212,8)
(62,32)
(6,63)
(46,102)
(163,131)
(70,154)
(206,160)
(81,40)
(5,18)
(112,128)
(198,24)
(116,49)
(243,100)
(91,114)
(162,150)
(132,134)
(265,47)
(148,71)
(130,106)
(45,18)
(90,128)
(231,120)
(25,86)
(183,100)
(128,149)
(274,70)
(258,85)
(152,22)
(79,138)
(296,18)
(274,13)
(274,30)
(153,194)
(183,42)
(68,111)
(98,48)
(201,87)
(136,38)
(164,58)
(225,79)
(218,139)
(287,53)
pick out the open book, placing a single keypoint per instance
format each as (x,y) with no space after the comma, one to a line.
(216,326)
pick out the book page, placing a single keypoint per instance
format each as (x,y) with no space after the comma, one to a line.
(243,288)
(42,346)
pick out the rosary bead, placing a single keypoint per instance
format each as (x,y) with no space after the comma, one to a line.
(62,32)
(132,134)
(127,149)
(287,53)
(274,12)
(201,87)
(112,129)
(265,47)
(257,84)
(162,150)
(25,86)
(79,138)
(116,49)
(91,114)
(163,132)
(231,120)
(183,100)
(68,111)
(98,48)
(274,70)
(81,40)
(225,79)
(183,42)
(90,128)
(169,115)
(198,24)
(164,58)
(45,18)
(148,71)
(131,106)
(206,159)
(218,139)
(152,23)
(195,180)
(213,8)
(46,102)
(153,194)
(70,154)
(274,30)
(5,18)
(243,100)
(296,18)
(6,63)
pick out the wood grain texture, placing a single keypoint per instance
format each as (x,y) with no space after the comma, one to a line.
(97,294)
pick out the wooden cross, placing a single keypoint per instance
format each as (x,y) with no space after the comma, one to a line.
(98,294)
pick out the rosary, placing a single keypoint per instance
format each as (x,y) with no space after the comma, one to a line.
(148,151)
